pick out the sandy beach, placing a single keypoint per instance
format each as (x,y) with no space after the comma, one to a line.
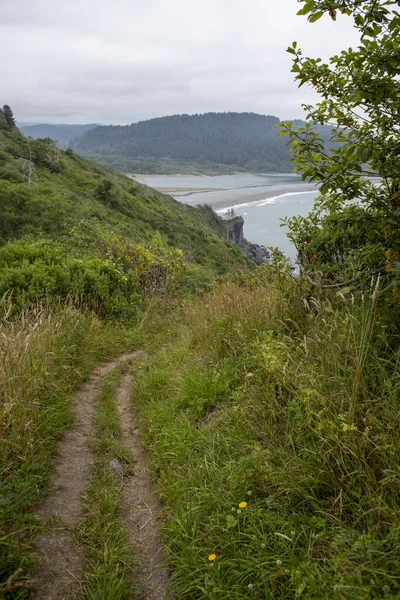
(223,199)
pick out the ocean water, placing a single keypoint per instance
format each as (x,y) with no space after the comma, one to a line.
(262,219)
(262,201)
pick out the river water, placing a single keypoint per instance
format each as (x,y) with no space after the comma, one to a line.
(262,200)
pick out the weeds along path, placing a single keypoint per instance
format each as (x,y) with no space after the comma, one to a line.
(60,560)
(141,508)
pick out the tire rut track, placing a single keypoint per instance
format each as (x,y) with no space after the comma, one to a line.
(141,509)
(58,570)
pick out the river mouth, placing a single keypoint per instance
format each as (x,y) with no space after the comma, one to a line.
(262,200)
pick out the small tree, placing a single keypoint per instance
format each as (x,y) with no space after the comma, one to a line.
(3,120)
(354,227)
(9,117)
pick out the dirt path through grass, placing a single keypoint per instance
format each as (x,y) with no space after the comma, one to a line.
(141,508)
(58,571)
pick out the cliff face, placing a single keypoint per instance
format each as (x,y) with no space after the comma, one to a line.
(255,252)
(235,231)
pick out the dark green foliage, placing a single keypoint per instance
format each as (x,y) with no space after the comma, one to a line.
(35,271)
(162,166)
(46,154)
(7,120)
(246,141)
(107,193)
(359,92)
(11,173)
(3,121)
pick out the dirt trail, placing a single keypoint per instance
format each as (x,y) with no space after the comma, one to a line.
(141,508)
(59,567)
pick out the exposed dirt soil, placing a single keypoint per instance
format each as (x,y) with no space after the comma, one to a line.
(141,508)
(58,570)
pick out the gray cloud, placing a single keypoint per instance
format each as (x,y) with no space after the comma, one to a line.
(126,60)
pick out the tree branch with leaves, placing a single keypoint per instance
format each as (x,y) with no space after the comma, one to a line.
(354,226)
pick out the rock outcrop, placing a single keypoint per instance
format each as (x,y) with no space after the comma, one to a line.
(255,252)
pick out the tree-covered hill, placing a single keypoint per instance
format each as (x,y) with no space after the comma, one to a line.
(243,141)
(63,134)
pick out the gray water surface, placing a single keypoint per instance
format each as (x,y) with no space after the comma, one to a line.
(262,200)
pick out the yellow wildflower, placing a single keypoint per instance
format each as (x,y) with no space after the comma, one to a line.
(243,505)
(212,557)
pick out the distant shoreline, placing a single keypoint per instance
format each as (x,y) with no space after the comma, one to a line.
(220,198)
(218,191)
(221,174)
(229,198)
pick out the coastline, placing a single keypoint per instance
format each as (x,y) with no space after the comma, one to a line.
(220,200)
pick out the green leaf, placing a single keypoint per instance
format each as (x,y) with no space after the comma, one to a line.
(230,521)
(315,17)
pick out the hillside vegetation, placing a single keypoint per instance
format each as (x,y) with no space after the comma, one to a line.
(267,403)
(272,421)
(213,142)
(85,253)
(92,219)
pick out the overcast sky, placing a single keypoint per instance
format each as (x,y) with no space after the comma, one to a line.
(121,61)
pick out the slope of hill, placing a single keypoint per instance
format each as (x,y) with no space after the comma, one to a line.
(44,189)
(219,141)
(125,233)
(63,134)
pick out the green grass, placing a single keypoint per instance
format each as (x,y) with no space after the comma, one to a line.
(109,569)
(292,407)
(44,356)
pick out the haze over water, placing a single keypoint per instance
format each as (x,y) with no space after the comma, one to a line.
(262,200)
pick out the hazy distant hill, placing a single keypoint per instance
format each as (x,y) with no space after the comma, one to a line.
(245,141)
(62,134)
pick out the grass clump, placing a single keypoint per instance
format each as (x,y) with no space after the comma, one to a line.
(109,556)
(273,423)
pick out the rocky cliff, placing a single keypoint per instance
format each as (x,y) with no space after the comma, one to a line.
(255,252)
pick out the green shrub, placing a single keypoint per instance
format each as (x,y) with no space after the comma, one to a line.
(11,173)
(32,271)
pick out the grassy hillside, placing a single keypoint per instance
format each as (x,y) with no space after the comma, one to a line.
(273,426)
(85,253)
(68,191)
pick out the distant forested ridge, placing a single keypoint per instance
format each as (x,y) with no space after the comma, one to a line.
(219,141)
(62,134)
